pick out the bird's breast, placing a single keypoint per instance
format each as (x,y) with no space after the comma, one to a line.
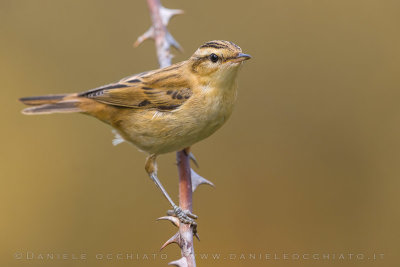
(162,132)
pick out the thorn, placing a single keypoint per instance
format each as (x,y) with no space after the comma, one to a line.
(196,235)
(193,159)
(182,262)
(172,42)
(174,239)
(149,34)
(167,14)
(172,219)
(198,180)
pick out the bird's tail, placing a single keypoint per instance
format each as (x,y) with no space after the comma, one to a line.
(48,104)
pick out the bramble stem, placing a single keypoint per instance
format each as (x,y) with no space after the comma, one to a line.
(163,41)
(159,34)
(185,202)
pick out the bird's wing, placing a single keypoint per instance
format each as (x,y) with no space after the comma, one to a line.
(162,89)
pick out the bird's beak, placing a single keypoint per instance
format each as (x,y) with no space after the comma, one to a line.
(242,57)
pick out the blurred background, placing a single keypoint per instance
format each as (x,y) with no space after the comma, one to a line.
(308,164)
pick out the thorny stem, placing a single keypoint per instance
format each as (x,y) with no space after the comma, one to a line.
(185,202)
(160,34)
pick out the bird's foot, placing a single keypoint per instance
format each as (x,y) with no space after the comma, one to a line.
(184,216)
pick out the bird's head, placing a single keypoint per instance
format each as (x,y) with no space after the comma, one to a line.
(217,60)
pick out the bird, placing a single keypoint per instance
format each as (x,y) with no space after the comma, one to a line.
(162,110)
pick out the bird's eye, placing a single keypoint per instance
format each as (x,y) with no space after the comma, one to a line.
(213,57)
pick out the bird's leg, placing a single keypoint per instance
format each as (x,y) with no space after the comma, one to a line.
(184,216)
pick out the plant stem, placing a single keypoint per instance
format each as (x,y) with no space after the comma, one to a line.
(160,35)
(185,202)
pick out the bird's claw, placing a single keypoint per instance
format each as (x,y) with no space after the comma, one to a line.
(184,216)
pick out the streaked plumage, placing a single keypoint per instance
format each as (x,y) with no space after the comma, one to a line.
(163,110)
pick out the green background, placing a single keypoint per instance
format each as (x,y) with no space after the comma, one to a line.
(308,162)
